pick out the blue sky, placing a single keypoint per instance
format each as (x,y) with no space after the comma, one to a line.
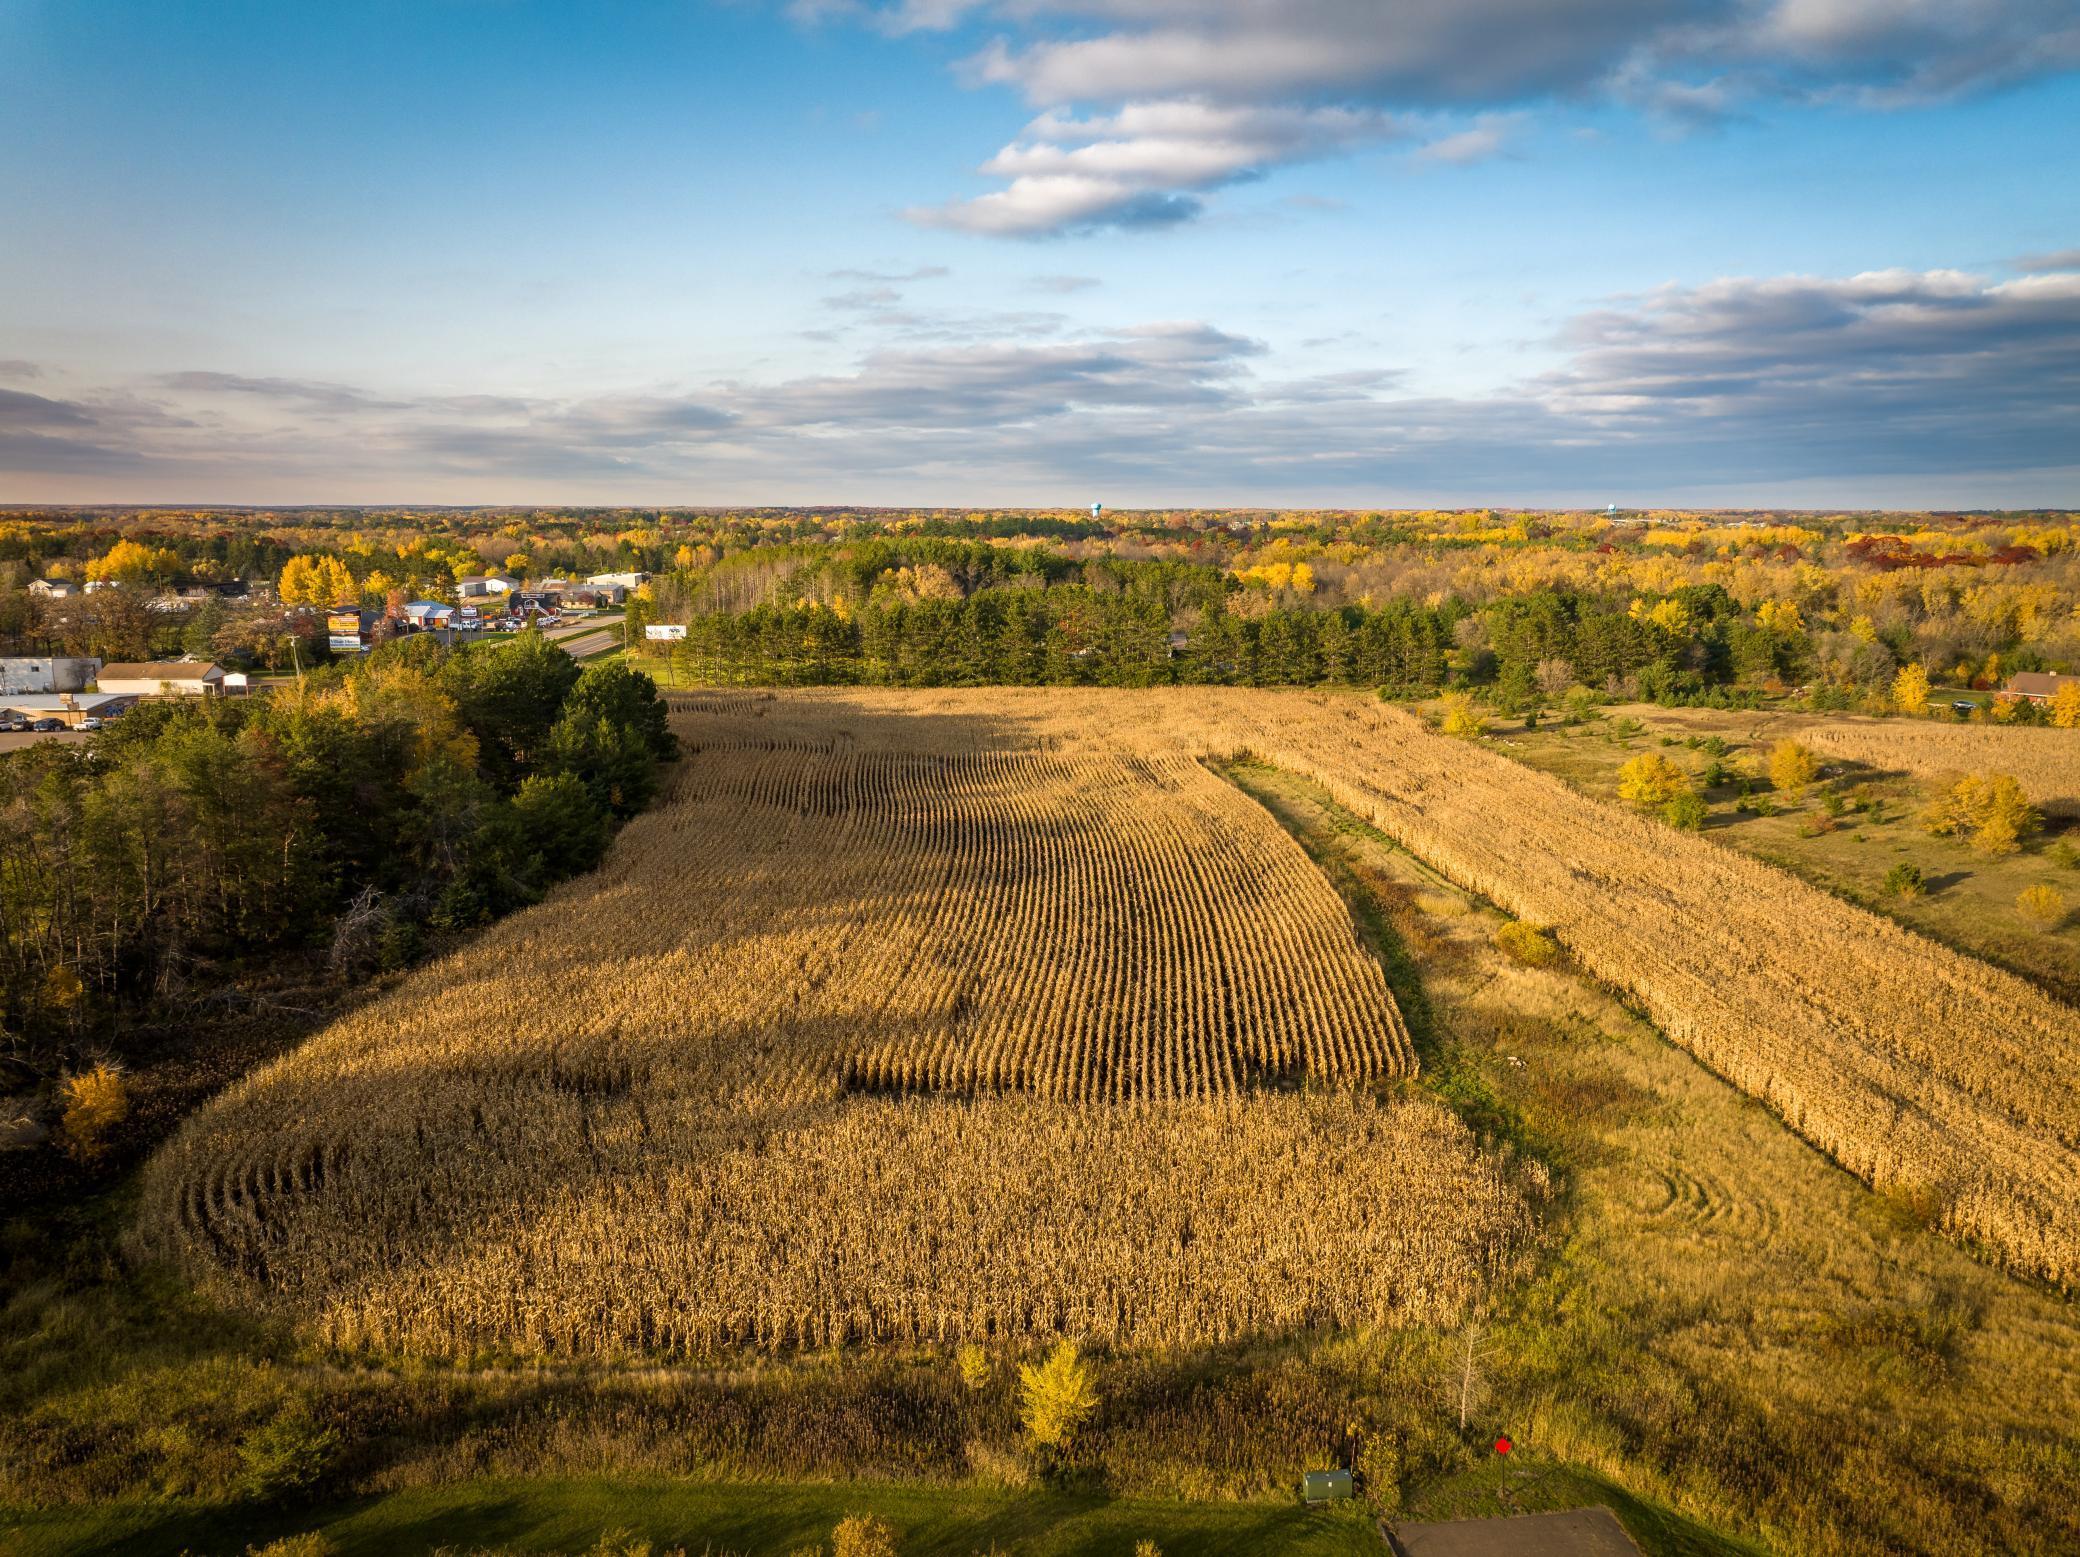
(1365,252)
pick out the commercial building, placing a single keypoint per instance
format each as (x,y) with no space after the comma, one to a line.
(42,673)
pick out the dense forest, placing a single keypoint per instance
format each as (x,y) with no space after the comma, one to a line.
(347,817)
(1517,606)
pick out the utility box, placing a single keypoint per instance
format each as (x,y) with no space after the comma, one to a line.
(1331,1486)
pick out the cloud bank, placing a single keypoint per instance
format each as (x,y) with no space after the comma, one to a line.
(1886,381)
(1197,94)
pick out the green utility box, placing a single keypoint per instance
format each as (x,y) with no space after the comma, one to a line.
(1325,1486)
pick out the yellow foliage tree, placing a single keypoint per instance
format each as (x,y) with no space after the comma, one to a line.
(95,1103)
(1781,616)
(1910,689)
(2041,905)
(2065,706)
(1059,1395)
(1457,715)
(1989,808)
(1650,779)
(129,562)
(317,581)
(1792,767)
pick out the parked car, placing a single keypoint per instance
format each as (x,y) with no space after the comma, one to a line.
(48,724)
(10,723)
(91,722)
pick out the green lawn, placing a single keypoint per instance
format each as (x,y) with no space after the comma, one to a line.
(570,1516)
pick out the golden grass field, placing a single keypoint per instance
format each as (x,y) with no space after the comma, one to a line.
(2045,761)
(920,1015)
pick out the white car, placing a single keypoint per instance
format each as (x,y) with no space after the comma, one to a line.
(91,722)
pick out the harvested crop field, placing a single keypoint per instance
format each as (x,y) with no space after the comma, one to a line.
(887,1023)
(921,1015)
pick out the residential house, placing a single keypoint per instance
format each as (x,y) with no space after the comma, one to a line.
(162,678)
(53,588)
(2038,686)
(424,614)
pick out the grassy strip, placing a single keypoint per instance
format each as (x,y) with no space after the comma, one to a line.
(570,1515)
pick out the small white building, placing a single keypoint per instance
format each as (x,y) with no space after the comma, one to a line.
(54,588)
(625,580)
(40,673)
(429,613)
(163,678)
(481,584)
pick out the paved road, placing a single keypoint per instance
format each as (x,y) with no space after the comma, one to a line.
(15,740)
(591,643)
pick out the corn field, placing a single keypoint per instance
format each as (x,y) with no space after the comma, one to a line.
(885,1024)
(969,1014)
(1920,1070)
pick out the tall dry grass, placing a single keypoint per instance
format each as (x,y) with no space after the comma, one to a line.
(969,1013)
(886,1024)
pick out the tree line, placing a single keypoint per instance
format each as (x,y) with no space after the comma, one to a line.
(419,790)
(1069,635)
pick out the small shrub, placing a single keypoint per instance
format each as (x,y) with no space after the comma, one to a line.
(1814,824)
(1904,880)
(1832,803)
(1459,715)
(1686,811)
(2063,855)
(95,1103)
(1147,1548)
(974,1364)
(2041,905)
(1060,1394)
(1529,944)
(287,1457)
(863,1535)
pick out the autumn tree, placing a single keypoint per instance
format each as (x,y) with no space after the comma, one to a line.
(1457,715)
(2064,707)
(317,581)
(1058,1395)
(1988,808)
(96,1101)
(1910,689)
(1650,779)
(1792,767)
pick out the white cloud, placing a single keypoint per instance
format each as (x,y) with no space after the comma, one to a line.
(1681,61)
(1481,142)
(1145,164)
